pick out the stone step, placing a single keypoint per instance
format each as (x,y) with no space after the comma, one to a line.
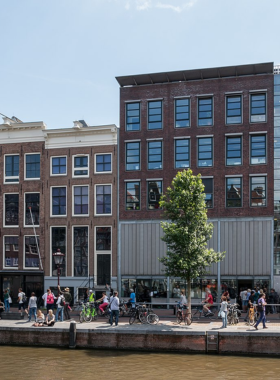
(13,315)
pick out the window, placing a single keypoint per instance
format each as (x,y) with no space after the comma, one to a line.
(258,191)
(31,252)
(154,194)
(11,251)
(155,155)
(205,151)
(80,245)
(11,209)
(234,150)
(182,113)
(80,200)
(58,236)
(234,192)
(103,238)
(208,190)
(103,199)
(133,117)
(133,156)
(58,165)
(258,108)
(32,203)
(81,166)
(258,149)
(205,111)
(58,201)
(233,109)
(155,115)
(132,195)
(32,166)
(103,163)
(12,168)
(182,153)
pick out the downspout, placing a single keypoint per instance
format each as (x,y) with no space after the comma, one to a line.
(272,256)
(118,221)
(219,263)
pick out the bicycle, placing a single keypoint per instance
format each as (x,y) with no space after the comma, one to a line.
(181,317)
(144,314)
(253,317)
(199,313)
(233,314)
(89,312)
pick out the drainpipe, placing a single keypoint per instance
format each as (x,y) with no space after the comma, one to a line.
(272,256)
(219,263)
(118,221)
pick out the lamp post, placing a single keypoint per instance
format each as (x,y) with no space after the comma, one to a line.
(58,260)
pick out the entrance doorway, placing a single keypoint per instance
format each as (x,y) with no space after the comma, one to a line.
(103,269)
(244,285)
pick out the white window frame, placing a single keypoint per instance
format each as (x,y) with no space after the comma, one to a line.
(51,253)
(30,225)
(95,163)
(4,252)
(72,268)
(73,167)
(51,203)
(30,268)
(51,166)
(73,203)
(4,211)
(9,177)
(34,178)
(95,203)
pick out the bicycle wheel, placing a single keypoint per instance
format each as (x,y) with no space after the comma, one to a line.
(95,316)
(152,319)
(251,319)
(88,317)
(143,317)
(179,317)
(132,319)
(188,319)
(121,313)
(81,317)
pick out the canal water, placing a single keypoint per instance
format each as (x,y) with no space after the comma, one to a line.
(64,364)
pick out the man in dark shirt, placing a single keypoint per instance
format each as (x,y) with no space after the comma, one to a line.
(68,299)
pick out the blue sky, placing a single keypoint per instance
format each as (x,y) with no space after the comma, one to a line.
(59,58)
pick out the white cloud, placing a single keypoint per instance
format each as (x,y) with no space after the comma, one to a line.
(175,5)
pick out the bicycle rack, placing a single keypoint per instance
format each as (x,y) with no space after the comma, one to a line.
(212,342)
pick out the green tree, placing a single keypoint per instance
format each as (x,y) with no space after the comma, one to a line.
(187,231)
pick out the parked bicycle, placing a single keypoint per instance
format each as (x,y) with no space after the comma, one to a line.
(144,315)
(233,314)
(182,316)
(89,312)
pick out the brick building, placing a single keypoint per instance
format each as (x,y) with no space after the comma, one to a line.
(219,123)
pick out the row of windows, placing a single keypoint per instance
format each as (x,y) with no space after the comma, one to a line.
(103,164)
(258,154)
(234,193)
(205,112)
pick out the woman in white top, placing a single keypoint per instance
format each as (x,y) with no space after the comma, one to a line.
(40,319)
(104,302)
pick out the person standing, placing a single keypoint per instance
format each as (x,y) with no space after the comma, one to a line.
(6,300)
(50,300)
(224,311)
(60,308)
(32,307)
(114,306)
(261,310)
(21,302)
(68,299)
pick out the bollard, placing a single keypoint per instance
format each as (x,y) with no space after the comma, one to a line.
(72,335)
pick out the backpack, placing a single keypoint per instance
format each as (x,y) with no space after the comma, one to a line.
(62,301)
(24,298)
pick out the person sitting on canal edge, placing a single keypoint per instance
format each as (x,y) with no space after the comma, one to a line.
(50,320)
(68,299)
(40,319)
(114,306)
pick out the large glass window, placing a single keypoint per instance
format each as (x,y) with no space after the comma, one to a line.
(103,163)
(58,236)
(11,251)
(103,199)
(234,192)
(154,194)
(32,203)
(132,195)
(59,201)
(258,108)
(182,153)
(155,115)
(80,200)
(11,209)
(182,113)
(103,238)
(11,168)
(258,191)
(31,253)
(258,149)
(32,168)
(133,116)
(233,109)
(205,151)
(208,190)
(58,166)
(234,150)
(205,111)
(155,155)
(132,156)
(80,251)
(81,166)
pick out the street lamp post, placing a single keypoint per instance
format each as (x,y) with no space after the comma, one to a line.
(58,260)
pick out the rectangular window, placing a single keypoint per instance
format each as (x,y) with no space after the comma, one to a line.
(31,253)
(12,168)
(155,115)
(258,149)
(154,194)
(234,109)
(58,236)
(155,155)
(182,153)
(58,165)
(32,166)
(11,209)
(81,166)
(32,203)
(103,163)
(80,200)
(208,190)
(205,151)
(58,201)
(103,199)
(133,156)
(258,191)
(234,192)
(234,150)
(182,113)
(103,238)
(11,251)
(258,108)
(132,195)
(205,111)
(80,245)
(133,116)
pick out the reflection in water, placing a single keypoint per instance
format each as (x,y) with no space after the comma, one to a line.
(59,364)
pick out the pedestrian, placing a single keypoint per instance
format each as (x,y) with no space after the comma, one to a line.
(32,307)
(272,299)
(60,308)
(224,311)
(50,300)
(104,302)
(243,296)
(6,300)
(114,306)
(249,306)
(261,310)
(68,299)
(2,308)
(22,301)
(50,320)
